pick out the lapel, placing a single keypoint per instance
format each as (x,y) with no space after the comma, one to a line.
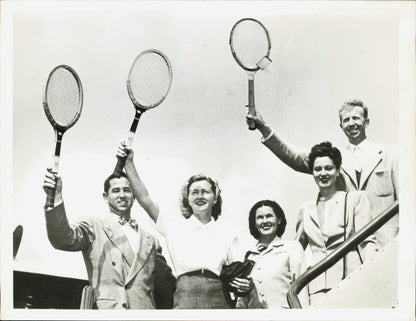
(115,234)
(314,222)
(372,158)
(146,245)
(348,166)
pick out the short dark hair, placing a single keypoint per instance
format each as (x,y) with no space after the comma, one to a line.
(109,178)
(184,201)
(325,149)
(351,103)
(278,211)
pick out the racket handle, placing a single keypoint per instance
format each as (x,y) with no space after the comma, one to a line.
(251,106)
(122,160)
(50,192)
(119,166)
(251,123)
(50,198)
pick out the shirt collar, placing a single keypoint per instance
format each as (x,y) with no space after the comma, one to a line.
(277,241)
(361,146)
(196,224)
(114,217)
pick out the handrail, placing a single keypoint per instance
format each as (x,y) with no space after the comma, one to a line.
(338,253)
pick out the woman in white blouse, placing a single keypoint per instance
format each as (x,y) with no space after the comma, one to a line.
(333,216)
(278,262)
(197,242)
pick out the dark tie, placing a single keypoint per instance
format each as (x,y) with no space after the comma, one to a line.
(131,221)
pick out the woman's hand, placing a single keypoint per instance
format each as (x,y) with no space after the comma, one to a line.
(123,151)
(242,286)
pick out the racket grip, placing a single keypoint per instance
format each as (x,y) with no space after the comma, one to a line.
(50,198)
(251,105)
(119,166)
(251,123)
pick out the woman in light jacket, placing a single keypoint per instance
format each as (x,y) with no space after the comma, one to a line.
(332,217)
(278,262)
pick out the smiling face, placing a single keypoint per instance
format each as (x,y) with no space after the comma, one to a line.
(325,173)
(119,196)
(354,123)
(266,222)
(201,197)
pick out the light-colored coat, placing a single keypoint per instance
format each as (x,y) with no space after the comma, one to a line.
(379,177)
(309,231)
(121,278)
(275,270)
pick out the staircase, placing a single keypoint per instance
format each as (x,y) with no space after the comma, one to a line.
(357,290)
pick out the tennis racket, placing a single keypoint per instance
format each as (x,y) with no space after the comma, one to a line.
(62,103)
(250,46)
(148,84)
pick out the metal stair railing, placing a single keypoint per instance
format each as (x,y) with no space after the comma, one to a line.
(338,253)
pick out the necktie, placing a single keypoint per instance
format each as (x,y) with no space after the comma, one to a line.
(357,158)
(131,221)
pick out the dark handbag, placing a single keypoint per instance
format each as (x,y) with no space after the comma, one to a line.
(165,283)
(234,270)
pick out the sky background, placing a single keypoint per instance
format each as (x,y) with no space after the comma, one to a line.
(321,56)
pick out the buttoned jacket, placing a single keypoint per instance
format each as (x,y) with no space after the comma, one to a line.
(275,269)
(379,176)
(121,278)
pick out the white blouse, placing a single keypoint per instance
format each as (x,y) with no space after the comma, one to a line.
(193,245)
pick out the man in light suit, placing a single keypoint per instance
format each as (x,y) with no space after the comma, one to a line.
(119,256)
(366,166)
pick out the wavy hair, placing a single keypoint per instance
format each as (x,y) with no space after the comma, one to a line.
(351,103)
(184,199)
(325,149)
(109,178)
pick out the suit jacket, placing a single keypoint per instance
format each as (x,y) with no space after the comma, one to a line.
(121,278)
(309,231)
(379,177)
(274,271)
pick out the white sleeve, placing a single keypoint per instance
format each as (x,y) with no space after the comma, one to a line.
(166,222)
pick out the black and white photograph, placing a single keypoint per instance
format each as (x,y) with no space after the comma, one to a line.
(207,160)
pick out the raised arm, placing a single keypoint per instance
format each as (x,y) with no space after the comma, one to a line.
(292,156)
(61,234)
(139,189)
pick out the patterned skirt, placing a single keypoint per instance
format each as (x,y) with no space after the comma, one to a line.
(199,292)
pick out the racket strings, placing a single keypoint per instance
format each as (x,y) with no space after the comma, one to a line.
(149,79)
(250,43)
(63,97)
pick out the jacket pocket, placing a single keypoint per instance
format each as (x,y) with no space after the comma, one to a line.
(383,185)
(107,304)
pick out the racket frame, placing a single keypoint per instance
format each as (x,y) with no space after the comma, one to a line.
(133,99)
(59,129)
(251,71)
(139,108)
